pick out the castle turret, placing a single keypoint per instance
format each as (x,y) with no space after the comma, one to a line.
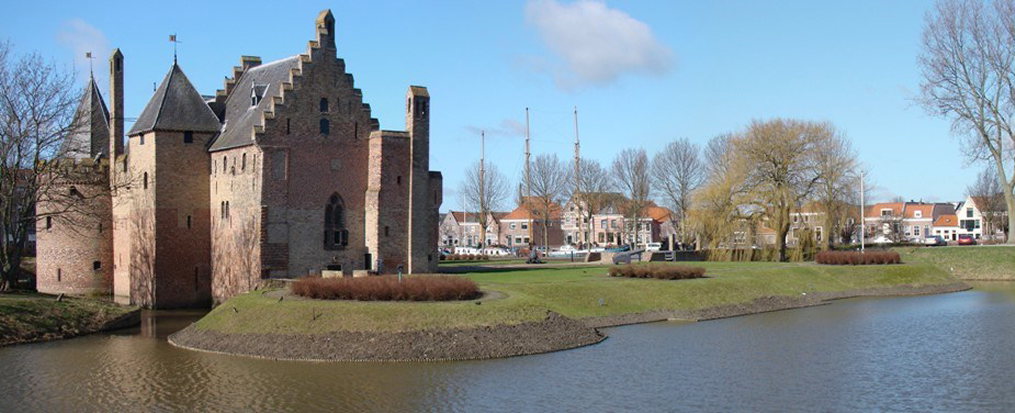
(90,130)
(422,215)
(168,226)
(116,115)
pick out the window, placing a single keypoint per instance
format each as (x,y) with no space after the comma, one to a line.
(324,105)
(96,265)
(146,180)
(916,231)
(602,224)
(525,226)
(969,212)
(512,226)
(188,137)
(886,212)
(398,179)
(49,222)
(188,221)
(225,164)
(335,234)
(243,164)
(59,275)
(287,124)
(325,127)
(386,229)
(141,139)
(918,214)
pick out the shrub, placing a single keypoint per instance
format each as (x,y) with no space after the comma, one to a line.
(466,257)
(857,258)
(658,271)
(388,288)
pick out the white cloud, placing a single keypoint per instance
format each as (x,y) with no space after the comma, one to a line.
(596,44)
(508,128)
(81,37)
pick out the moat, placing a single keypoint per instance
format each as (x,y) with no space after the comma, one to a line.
(948,352)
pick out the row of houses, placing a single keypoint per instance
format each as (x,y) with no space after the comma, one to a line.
(572,224)
(569,224)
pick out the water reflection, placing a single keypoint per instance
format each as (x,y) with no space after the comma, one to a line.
(949,352)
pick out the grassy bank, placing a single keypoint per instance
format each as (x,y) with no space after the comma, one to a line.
(966,262)
(576,292)
(26,317)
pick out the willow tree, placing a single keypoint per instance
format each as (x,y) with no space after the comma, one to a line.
(968,65)
(782,168)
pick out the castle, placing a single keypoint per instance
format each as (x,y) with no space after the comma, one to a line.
(281,174)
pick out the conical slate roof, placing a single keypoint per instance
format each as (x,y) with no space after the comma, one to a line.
(91,126)
(176,106)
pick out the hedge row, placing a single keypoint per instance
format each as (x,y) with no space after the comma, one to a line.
(465,257)
(388,288)
(659,271)
(858,258)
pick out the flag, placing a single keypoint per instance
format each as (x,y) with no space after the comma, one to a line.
(88,55)
(172,37)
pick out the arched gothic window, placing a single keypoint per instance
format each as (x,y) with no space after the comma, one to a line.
(324,104)
(336,236)
(325,127)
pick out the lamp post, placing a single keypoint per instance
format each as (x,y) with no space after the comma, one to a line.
(862,208)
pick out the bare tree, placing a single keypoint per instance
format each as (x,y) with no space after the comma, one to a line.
(631,172)
(37,113)
(781,155)
(594,188)
(676,172)
(837,167)
(483,190)
(968,65)
(549,184)
(986,193)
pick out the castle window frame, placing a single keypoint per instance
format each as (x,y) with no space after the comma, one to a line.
(323,106)
(325,127)
(336,236)
(225,163)
(188,137)
(243,163)
(145,186)
(141,139)
(49,222)
(96,265)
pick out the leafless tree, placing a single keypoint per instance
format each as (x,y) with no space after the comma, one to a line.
(783,171)
(37,113)
(986,193)
(594,191)
(718,157)
(676,172)
(483,190)
(839,181)
(549,184)
(631,172)
(968,65)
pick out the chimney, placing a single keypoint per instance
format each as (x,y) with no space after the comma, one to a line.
(249,62)
(116,108)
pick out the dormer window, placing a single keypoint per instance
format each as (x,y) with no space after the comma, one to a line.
(918,214)
(257,93)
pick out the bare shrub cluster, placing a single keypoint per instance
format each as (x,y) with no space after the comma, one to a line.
(388,288)
(658,271)
(858,258)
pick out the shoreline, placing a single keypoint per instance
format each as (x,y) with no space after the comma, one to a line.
(126,320)
(554,333)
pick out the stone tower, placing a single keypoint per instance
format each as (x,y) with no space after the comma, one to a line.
(423,214)
(167,223)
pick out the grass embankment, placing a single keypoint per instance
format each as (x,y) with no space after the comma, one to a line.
(28,317)
(966,262)
(575,292)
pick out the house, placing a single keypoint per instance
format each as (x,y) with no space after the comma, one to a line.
(526,225)
(462,229)
(906,221)
(610,226)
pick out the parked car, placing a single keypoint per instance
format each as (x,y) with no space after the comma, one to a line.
(881,239)
(934,241)
(966,239)
(653,246)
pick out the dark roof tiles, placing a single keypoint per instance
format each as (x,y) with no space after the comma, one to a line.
(176,106)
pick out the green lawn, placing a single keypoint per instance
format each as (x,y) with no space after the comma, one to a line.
(573,292)
(966,262)
(28,317)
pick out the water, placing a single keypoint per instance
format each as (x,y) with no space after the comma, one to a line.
(950,352)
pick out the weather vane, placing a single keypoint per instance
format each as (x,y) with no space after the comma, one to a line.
(172,39)
(91,71)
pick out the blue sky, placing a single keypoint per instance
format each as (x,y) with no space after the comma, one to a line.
(641,73)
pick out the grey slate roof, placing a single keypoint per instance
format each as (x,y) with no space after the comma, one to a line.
(91,134)
(240,116)
(176,106)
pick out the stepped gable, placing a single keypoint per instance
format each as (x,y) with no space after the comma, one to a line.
(241,118)
(91,135)
(176,106)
